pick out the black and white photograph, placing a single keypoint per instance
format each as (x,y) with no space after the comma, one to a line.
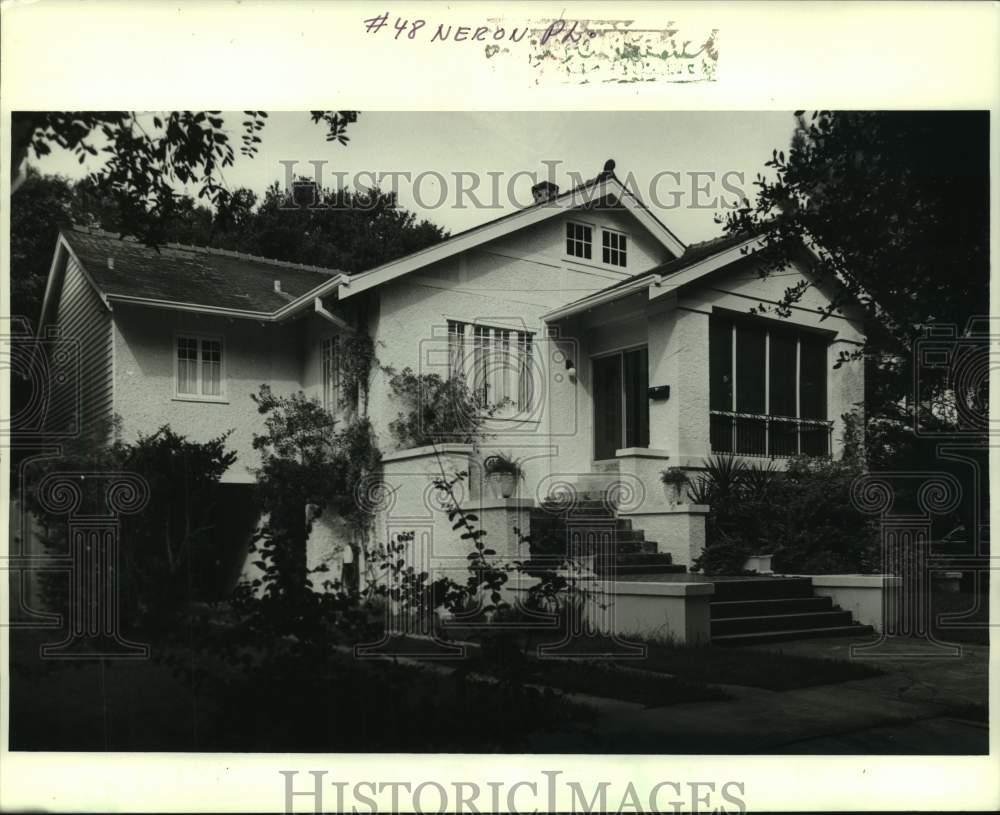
(538,433)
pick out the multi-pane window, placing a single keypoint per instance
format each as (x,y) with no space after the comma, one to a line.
(338,395)
(613,247)
(199,367)
(767,388)
(579,240)
(496,362)
(331,372)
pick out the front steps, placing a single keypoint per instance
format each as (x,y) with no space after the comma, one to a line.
(749,611)
(588,526)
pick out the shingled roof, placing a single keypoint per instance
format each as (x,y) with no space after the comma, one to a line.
(190,274)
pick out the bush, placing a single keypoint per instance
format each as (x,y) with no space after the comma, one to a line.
(804,517)
(168,547)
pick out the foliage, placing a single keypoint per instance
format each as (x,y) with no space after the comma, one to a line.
(168,548)
(503,463)
(804,516)
(673,475)
(305,461)
(441,411)
(149,156)
(897,206)
(356,361)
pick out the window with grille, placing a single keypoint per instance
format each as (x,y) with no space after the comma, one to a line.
(579,240)
(767,389)
(495,362)
(613,247)
(199,367)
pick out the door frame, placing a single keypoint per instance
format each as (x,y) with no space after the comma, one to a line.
(620,353)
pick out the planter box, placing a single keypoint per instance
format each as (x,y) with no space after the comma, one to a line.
(759,563)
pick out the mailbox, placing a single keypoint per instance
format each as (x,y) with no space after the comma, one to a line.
(659,392)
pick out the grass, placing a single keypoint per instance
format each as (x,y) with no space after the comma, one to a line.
(289,705)
(699,666)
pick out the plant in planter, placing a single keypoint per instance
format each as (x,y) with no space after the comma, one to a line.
(674,482)
(502,474)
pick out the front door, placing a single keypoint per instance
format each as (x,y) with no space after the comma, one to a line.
(621,403)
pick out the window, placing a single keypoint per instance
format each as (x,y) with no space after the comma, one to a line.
(335,396)
(496,362)
(613,245)
(767,389)
(578,240)
(199,367)
(331,372)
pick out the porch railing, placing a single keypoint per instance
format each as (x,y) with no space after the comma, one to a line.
(752,434)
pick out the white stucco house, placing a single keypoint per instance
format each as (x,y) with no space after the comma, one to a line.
(619,350)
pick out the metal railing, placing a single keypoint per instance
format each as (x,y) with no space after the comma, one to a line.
(753,434)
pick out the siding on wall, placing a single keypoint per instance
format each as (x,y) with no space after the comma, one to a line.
(83,319)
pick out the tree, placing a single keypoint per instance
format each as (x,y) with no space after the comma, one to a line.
(149,156)
(355,230)
(897,206)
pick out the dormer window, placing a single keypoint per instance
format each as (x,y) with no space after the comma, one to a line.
(613,247)
(579,240)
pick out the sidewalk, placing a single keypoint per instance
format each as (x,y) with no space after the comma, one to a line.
(909,710)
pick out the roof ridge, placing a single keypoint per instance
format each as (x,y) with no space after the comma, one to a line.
(212,250)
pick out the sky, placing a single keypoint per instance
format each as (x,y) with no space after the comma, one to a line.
(668,154)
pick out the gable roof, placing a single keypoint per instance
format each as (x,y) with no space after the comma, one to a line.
(698,260)
(603,190)
(192,277)
(218,281)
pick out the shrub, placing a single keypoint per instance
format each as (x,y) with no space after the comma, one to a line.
(168,547)
(804,516)
(306,459)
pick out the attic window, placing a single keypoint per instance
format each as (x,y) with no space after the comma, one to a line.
(579,239)
(613,247)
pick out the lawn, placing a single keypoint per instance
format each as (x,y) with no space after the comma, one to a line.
(693,665)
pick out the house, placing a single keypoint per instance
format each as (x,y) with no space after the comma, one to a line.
(616,350)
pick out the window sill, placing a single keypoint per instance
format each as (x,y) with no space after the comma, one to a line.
(213,400)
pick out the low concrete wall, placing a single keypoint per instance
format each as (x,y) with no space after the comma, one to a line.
(412,504)
(869,597)
(677,611)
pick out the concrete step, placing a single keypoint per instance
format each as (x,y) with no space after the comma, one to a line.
(646,572)
(780,622)
(763,588)
(637,563)
(629,546)
(794,634)
(784,605)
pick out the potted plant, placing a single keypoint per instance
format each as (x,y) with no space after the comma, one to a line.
(502,474)
(674,481)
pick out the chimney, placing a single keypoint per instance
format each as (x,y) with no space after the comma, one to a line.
(544,191)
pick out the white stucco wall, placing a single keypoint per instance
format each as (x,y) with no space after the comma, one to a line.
(510,282)
(675,327)
(144,379)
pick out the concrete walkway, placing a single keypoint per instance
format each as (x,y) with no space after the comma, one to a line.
(909,710)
